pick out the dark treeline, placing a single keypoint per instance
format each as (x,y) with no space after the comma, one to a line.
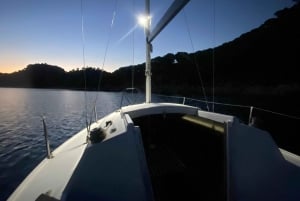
(264,60)
(258,68)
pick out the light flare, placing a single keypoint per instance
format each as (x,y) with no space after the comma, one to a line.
(143,20)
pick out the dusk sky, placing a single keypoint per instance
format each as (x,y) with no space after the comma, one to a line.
(49,31)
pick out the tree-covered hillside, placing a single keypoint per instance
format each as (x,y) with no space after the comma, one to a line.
(264,60)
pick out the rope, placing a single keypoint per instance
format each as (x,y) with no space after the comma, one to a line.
(194,58)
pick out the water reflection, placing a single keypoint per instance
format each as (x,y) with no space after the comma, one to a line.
(21,131)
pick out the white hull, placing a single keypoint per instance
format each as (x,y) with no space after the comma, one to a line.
(252,160)
(51,175)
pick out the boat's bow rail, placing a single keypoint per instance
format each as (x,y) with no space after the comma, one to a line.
(247,114)
(281,126)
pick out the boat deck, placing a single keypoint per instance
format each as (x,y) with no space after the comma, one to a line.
(50,176)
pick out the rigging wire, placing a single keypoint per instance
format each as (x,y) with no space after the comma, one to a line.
(132,70)
(93,108)
(101,72)
(195,60)
(231,105)
(213,54)
(84,66)
(278,113)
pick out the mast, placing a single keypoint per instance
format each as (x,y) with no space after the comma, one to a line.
(168,16)
(148,53)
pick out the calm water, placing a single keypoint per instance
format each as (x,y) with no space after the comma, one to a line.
(22,144)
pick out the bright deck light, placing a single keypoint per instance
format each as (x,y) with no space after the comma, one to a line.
(142,20)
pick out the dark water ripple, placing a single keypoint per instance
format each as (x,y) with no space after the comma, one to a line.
(22,144)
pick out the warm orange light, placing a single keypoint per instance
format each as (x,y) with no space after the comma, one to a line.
(6,69)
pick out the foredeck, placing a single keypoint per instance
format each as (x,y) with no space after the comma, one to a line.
(51,175)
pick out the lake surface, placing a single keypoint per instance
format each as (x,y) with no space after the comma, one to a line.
(22,144)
